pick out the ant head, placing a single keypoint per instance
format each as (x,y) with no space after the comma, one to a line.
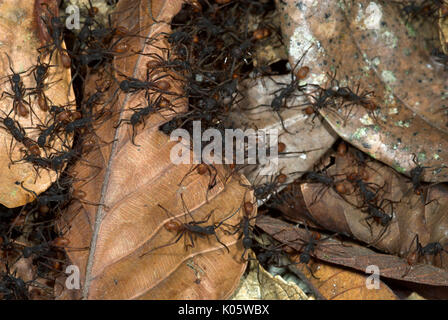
(385,219)
(15,78)
(304,258)
(247,242)
(124,85)
(8,122)
(41,70)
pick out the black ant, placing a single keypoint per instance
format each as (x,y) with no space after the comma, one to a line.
(56,161)
(192,228)
(140,114)
(47,132)
(354,98)
(132,85)
(40,74)
(55,31)
(327,96)
(432,248)
(267,189)
(308,247)
(37,161)
(323,100)
(86,31)
(13,287)
(78,124)
(92,100)
(158,62)
(245,228)
(19,135)
(282,95)
(14,129)
(328,182)
(376,213)
(368,191)
(416,174)
(19,92)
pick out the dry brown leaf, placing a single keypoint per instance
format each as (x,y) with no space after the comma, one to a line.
(21,45)
(365,44)
(134,185)
(336,283)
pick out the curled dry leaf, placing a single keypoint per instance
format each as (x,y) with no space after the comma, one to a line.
(353,255)
(291,203)
(21,45)
(140,190)
(364,43)
(397,199)
(348,215)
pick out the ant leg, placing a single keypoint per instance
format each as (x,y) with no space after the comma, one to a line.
(386,227)
(283,124)
(369,224)
(311,271)
(165,245)
(242,256)
(191,244)
(202,221)
(188,173)
(133,137)
(228,250)
(119,122)
(319,195)
(408,269)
